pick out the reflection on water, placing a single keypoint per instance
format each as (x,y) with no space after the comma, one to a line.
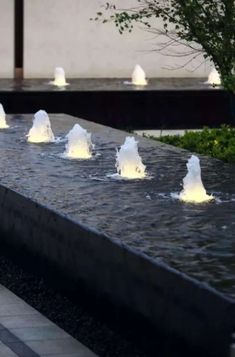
(196,239)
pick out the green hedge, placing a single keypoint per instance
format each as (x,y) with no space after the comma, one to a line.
(218,143)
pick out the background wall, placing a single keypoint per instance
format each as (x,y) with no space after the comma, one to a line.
(6,38)
(59,33)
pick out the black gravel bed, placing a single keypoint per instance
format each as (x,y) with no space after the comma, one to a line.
(100,326)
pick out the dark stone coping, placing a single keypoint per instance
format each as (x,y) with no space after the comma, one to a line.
(163,103)
(37,219)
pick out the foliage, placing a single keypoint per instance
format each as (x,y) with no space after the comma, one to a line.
(204,25)
(218,143)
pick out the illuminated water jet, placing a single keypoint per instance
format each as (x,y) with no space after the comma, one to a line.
(59,77)
(214,78)
(138,76)
(128,162)
(41,130)
(79,144)
(3,124)
(193,189)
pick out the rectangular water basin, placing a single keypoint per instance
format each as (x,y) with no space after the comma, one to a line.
(130,241)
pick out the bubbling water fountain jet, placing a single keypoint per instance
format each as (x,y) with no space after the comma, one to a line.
(128,162)
(41,130)
(214,78)
(193,189)
(138,76)
(3,124)
(79,144)
(59,77)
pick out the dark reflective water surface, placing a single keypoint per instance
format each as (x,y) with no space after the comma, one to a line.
(196,239)
(105,84)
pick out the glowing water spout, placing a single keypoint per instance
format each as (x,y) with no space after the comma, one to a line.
(193,189)
(41,130)
(214,78)
(138,76)
(79,144)
(128,161)
(3,124)
(59,75)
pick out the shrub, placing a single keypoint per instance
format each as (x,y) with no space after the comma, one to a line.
(218,143)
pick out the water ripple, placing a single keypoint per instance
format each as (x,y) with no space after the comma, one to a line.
(196,239)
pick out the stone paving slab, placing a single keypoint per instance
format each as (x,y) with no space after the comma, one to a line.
(39,333)
(66,355)
(59,346)
(24,332)
(13,309)
(6,351)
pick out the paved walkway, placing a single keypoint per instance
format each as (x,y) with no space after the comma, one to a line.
(24,332)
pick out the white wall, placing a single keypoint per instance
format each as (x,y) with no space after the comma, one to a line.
(6,38)
(59,33)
